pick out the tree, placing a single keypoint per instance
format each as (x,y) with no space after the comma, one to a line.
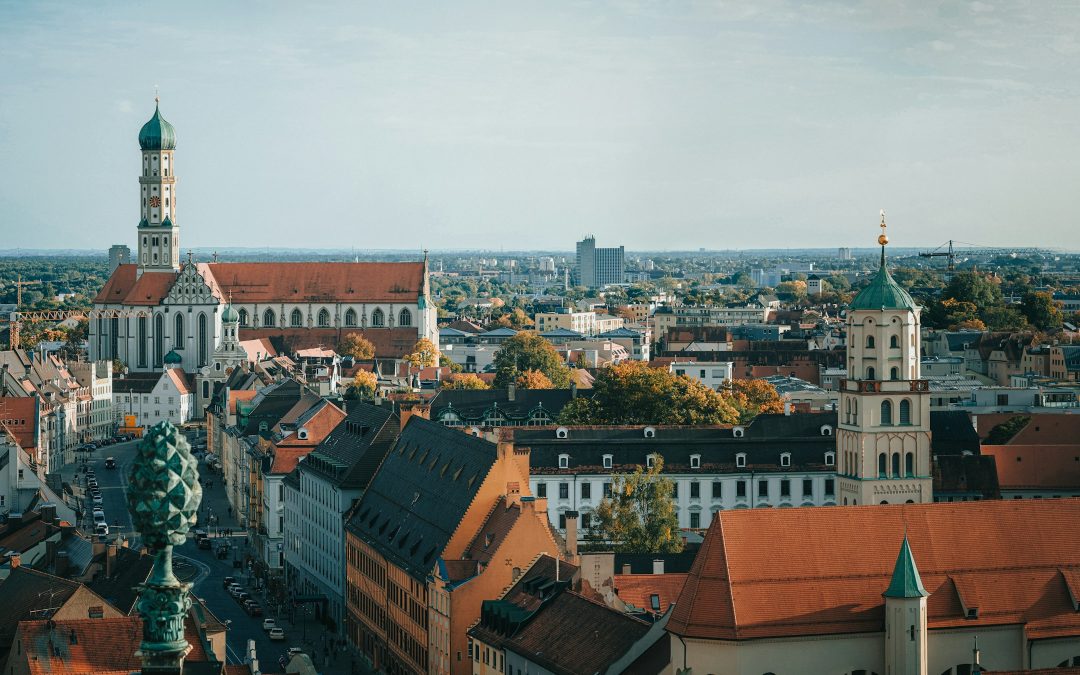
(791,290)
(356,346)
(445,362)
(1004,318)
(364,385)
(465,381)
(424,354)
(1003,433)
(534,379)
(974,288)
(633,393)
(1041,310)
(528,351)
(752,398)
(950,312)
(640,515)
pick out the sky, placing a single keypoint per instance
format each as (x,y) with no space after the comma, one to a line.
(513,125)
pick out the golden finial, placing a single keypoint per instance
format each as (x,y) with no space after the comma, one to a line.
(883,238)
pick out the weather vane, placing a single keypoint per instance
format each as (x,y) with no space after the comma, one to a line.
(157,99)
(884,238)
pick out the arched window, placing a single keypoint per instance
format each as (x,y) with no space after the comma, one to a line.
(894,373)
(203,340)
(243,317)
(869,341)
(886,412)
(378,318)
(882,463)
(178,331)
(324,318)
(894,342)
(404,318)
(159,339)
(905,411)
(909,464)
(871,374)
(296,319)
(350,317)
(896,465)
(140,334)
(269,319)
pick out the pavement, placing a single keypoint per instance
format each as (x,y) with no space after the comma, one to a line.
(207,572)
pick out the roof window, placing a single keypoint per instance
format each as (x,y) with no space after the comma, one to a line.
(650,432)
(562,432)
(695,461)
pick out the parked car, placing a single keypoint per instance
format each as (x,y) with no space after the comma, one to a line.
(97,499)
(269,624)
(204,544)
(243,596)
(102,529)
(277,634)
(253,609)
(235,590)
(99,517)
(228,581)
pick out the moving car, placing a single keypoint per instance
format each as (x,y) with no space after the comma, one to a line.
(269,624)
(101,528)
(110,462)
(228,581)
(204,544)
(277,634)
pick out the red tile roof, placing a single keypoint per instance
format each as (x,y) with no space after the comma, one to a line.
(321,281)
(19,416)
(240,395)
(125,287)
(180,380)
(638,589)
(1036,466)
(813,571)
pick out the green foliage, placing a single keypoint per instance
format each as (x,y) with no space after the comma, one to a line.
(528,351)
(974,288)
(356,346)
(640,514)
(466,381)
(1004,318)
(364,385)
(1003,433)
(1041,310)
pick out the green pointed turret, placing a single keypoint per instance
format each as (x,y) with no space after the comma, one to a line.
(906,582)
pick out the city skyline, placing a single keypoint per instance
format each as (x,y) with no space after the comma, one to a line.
(402,128)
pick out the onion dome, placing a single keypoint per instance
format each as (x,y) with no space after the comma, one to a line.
(157,134)
(883,293)
(230,315)
(173,359)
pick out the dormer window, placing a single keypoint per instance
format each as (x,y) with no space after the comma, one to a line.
(562,432)
(650,432)
(564,461)
(740,460)
(785,459)
(738,432)
(826,430)
(302,433)
(650,460)
(830,459)
(695,461)
(608,461)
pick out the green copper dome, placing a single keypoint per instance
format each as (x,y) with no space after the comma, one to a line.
(230,315)
(157,134)
(906,582)
(883,293)
(172,358)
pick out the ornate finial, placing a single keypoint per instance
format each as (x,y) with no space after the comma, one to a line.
(157,99)
(884,238)
(163,499)
(190,256)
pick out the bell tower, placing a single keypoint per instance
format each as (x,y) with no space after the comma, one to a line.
(883,438)
(159,237)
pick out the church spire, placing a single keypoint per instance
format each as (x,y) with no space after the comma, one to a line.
(906,582)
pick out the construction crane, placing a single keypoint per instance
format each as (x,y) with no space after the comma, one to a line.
(949,255)
(13,318)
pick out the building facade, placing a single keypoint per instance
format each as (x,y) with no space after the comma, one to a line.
(599,267)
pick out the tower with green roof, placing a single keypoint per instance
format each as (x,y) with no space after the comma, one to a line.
(905,617)
(883,436)
(159,236)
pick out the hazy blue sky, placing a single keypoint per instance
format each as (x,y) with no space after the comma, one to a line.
(463,124)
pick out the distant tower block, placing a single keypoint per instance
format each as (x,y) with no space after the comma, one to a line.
(844,253)
(118,255)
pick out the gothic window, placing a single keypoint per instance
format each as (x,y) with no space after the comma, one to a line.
(243,317)
(178,333)
(269,320)
(894,373)
(894,342)
(350,317)
(905,412)
(378,318)
(869,341)
(886,413)
(882,464)
(203,340)
(159,340)
(324,318)
(405,318)
(896,465)
(871,374)
(296,319)
(141,337)
(909,464)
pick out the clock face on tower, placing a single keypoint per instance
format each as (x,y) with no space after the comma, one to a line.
(155,201)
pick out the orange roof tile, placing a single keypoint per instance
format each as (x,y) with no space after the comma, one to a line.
(638,589)
(240,395)
(286,459)
(258,349)
(19,416)
(1036,466)
(814,571)
(180,380)
(320,281)
(126,287)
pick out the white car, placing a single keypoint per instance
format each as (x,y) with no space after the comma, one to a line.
(99,516)
(97,499)
(269,624)
(277,634)
(102,529)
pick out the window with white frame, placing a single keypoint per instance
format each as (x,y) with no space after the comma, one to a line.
(785,459)
(564,461)
(608,461)
(830,459)
(740,460)
(650,460)
(695,461)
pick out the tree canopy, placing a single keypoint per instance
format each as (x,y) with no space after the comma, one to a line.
(465,381)
(639,516)
(528,351)
(534,379)
(424,354)
(752,398)
(1041,310)
(364,385)
(356,346)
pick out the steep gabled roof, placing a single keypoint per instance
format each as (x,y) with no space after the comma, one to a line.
(388,282)
(420,494)
(353,450)
(126,287)
(26,594)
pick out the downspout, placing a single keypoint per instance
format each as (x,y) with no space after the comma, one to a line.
(685,668)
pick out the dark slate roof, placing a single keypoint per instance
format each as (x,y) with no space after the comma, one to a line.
(472,406)
(763,441)
(24,594)
(121,590)
(620,333)
(137,383)
(351,453)
(957,339)
(966,475)
(420,494)
(642,563)
(952,433)
(270,405)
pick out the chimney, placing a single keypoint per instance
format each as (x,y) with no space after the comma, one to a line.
(571,535)
(110,560)
(62,563)
(16,560)
(657,566)
(511,391)
(48,513)
(573,388)
(626,569)
(787,407)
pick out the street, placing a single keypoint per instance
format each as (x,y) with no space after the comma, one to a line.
(206,572)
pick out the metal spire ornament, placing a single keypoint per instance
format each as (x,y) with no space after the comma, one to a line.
(163,498)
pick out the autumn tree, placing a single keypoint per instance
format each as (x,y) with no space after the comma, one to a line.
(528,351)
(752,398)
(950,313)
(975,288)
(465,381)
(534,379)
(639,516)
(356,346)
(424,354)
(633,393)
(364,385)
(1041,310)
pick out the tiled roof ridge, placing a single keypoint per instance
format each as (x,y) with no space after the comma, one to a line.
(730,589)
(487,518)
(604,606)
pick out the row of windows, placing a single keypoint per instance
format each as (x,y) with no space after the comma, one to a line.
(695,488)
(894,341)
(296,318)
(695,460)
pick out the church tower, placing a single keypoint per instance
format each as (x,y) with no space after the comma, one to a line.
(159,237)
(905,617)
(883,438)
(228,356)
